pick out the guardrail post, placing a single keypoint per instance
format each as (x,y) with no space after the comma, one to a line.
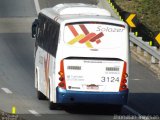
(145,54)
(139,50)
(153,59)
(131,44)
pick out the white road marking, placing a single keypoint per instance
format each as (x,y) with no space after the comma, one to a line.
(6,90)
(132,110)
(34,112)
(135,112)
(136,79)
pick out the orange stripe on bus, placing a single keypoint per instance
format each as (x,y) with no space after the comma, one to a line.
(73,30)
(87,37)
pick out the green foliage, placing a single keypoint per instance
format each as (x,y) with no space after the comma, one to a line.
(148,11)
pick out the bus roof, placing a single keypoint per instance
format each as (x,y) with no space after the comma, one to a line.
(68,12)
(79,8)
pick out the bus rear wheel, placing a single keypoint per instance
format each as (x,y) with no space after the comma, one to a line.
(118,108)
(54,106)
(40,95)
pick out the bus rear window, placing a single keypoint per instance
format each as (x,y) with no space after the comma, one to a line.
(94,35)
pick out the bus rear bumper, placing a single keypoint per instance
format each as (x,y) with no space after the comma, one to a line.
(115,98)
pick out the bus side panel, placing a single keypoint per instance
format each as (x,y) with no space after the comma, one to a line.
(51,77)
(39,65)
(47,72)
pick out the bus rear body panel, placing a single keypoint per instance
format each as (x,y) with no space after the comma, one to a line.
(95,61)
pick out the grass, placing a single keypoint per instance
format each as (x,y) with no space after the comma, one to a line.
(0,115)
(148,11)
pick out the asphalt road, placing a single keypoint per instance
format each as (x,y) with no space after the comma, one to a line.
(17,8)
(17,75)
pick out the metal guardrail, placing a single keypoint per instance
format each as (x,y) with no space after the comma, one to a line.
(141,45)
(153,51)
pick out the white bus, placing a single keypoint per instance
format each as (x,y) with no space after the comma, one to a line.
(81,56)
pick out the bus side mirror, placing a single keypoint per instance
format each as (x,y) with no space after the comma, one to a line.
(34,28)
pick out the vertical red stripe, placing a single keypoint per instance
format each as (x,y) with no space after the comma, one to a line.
(73,30)
(84,29)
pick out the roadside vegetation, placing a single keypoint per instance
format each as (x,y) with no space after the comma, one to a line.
(7,116)
(148,11)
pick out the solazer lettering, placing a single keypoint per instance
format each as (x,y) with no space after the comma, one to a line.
(108,29)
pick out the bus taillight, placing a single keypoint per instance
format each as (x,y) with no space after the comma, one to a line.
(123,85)
(62,82)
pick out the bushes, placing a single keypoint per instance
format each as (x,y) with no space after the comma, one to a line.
(148,11)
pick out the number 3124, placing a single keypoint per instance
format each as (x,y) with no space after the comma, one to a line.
(109,79)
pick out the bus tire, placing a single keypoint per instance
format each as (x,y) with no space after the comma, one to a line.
(118,108)
(40,95)
(53,106)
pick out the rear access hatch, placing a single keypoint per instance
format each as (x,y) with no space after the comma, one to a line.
(98,75)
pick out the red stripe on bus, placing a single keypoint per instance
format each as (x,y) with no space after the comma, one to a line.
(73,30)
(97,37)
(84,29)
(87,37)
(98,41)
